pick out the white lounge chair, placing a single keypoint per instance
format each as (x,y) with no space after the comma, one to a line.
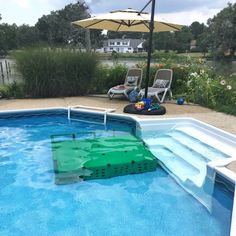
(132,82)
(161,85)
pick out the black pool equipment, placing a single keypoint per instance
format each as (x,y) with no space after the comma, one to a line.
(145,107)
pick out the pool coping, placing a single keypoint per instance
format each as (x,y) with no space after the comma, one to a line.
(218,166)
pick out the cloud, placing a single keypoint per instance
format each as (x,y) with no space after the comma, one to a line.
(179,11)
(21,3)
(169,6)
(188,17)
(166,6)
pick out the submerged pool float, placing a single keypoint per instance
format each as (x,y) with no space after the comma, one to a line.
(99,158)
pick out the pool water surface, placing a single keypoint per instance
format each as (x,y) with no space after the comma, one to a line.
(145,204)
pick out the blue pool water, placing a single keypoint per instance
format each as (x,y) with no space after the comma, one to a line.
(145,204)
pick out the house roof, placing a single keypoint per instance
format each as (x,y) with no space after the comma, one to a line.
(134,43)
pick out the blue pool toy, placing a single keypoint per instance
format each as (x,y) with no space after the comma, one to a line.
(180,101)
(147,103)
(133,96)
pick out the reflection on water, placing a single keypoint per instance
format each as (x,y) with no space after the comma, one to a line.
(9,75)
(128,62)
(223,68)
(8,72)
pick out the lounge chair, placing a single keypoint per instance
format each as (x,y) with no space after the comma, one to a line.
(132,82)
(161,85)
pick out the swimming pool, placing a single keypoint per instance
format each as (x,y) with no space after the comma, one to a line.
(146,204)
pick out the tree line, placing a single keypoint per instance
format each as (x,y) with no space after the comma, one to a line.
(54,30)
(218,36)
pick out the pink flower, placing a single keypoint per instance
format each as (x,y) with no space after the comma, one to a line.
(222,82)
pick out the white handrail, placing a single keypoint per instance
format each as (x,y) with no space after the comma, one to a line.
(87,108)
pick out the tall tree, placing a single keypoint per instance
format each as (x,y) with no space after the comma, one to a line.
(183,39)
(131,35)
(164,41)
(196,29)
(26,36)
(56,28)
(204,41)
(7,37)
(222,31)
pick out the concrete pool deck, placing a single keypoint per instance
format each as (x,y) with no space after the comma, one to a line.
(217,119)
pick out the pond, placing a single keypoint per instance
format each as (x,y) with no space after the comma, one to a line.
(8,74)
(222,68)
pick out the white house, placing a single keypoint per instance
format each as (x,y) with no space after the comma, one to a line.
(123,45)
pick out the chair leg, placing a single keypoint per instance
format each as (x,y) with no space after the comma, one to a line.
(170,92)
(164,95)
(157,97)
(140,95)
(126,93)
(110,95)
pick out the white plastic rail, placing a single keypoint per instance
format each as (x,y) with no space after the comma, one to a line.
(91,109)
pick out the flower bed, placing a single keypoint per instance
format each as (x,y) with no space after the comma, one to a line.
(193,80)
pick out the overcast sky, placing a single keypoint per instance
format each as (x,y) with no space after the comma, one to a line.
(176,11)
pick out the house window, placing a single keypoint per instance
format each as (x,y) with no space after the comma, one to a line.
(111,49)
(125,43)
(118,43)
(111,43)
(129,48)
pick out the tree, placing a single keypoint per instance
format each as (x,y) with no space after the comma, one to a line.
(196,29)
(26,36)
(130,35)
(183,39)
(7,37)
(56,28)
(222,31)
(164,41)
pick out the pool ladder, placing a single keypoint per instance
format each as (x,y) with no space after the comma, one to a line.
(104,111)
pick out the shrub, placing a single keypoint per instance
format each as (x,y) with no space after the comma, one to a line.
(194,80)
(204,87)
(162,56)
(107,77)
(224,91)
(13,90)
(55,72)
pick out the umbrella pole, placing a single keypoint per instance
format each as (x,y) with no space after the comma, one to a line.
(151,26)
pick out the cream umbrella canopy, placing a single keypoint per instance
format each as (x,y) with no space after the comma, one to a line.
(132,21)
(126,20)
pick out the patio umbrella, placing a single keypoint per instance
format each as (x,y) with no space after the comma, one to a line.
(126,20)
(132,21)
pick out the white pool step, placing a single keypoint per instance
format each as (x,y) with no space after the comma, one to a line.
(183,160)
(181,163)
(208,139)
(184,152)
(175,164)
(206,151)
